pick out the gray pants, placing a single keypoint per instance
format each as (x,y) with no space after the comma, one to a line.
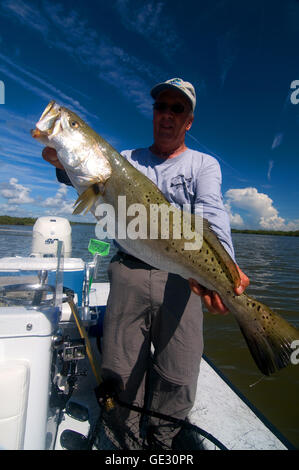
(148,307)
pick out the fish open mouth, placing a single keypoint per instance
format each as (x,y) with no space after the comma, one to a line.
(36,133)
(49,123)
(49,133)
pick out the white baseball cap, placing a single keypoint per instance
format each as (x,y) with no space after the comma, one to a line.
(178,84)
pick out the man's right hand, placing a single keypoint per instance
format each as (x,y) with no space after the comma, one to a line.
(212,300)
(50,156)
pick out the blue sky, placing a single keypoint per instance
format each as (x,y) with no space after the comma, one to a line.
(102,58)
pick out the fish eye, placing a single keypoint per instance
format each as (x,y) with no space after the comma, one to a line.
(74,124)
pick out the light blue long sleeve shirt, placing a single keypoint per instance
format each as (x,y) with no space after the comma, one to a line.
(192,178)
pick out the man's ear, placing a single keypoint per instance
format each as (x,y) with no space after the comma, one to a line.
(190,122)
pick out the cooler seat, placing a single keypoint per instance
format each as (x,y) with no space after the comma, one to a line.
(14,388)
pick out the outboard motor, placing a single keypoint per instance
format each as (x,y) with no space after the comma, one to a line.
(46,233)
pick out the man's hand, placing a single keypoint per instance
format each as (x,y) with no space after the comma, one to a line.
(50,156)
(211,299)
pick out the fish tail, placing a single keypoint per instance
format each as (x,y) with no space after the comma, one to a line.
(86,200)
(269,337)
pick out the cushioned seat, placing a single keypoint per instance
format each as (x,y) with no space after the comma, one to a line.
(14,387)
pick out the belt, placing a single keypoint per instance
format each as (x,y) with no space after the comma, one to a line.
(127,256)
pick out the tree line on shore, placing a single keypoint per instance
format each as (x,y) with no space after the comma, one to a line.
(8,220)
(290,233)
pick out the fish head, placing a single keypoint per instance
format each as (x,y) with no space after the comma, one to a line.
(79,148)
(62,129)
(49,124)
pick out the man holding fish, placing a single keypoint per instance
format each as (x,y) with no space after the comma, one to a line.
(149,306)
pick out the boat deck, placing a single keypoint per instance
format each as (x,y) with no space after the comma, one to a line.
(218,408)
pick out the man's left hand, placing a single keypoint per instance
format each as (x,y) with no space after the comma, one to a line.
(211,299)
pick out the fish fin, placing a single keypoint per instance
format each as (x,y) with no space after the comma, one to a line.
(269,337)
(212,239)
(86,200)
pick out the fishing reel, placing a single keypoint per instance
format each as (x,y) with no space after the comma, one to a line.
(106,394)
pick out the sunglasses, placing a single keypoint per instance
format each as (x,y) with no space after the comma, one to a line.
(176,108)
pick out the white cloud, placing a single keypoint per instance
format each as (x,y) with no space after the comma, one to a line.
(228,49)
(257,211)
(26,14)
(150,21)
(9,209)
(16,193)
(236,220)
(42,88)
(271,164)
(59,203)
(57,199)
(68,30)
(19,153)
(127,73)
(277,141)
(25,174)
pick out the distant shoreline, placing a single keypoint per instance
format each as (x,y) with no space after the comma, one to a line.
(294,233)
(8,220)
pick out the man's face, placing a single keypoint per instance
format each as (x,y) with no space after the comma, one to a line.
(170,127)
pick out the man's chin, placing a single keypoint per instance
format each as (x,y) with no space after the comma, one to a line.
(166,136)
